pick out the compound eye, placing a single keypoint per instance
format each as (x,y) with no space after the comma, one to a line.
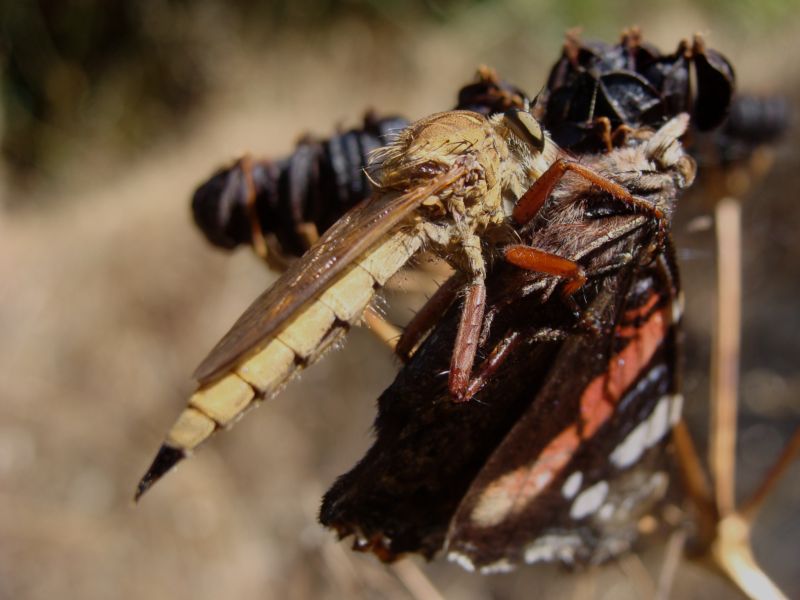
(526,127)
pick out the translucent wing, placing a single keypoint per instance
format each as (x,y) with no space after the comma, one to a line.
(354,234)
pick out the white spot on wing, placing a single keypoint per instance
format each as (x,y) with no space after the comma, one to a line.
(539,553)
(492,507)
(647,433)
(551,547)
(677,307)
(658,421)
(658,484)
(589,500)
(606,512)
(462,560)
(572,485)
(543,479)
(501,566)
(675,409)
(631,448)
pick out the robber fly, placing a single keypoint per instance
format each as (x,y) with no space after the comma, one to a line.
(442,184)
(560,454)
(221,399)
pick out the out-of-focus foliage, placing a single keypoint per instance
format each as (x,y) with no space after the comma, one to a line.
(71,69)
(122,72)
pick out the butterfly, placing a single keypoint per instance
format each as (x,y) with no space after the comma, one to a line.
(562,450)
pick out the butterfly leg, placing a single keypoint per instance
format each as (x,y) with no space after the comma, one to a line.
(611,138)
(256,232)
(532,201)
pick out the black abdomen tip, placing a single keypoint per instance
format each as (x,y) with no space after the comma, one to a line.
(166,458)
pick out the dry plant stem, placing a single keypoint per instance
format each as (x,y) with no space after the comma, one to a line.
(732,553)
(416,582)
(789,453)
(585,587)
(691,469)
(637,575)
(386,332)
(670,564)
(731,549)
(725,353)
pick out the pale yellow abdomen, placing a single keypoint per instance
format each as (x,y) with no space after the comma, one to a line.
(300,343)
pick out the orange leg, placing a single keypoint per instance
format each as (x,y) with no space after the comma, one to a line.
(603,124)
(256,233)
(532,201)
(610,137)
(620,135)
(532,259)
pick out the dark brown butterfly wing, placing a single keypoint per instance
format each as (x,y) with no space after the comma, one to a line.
(417,487)
(574,475)
(402,495)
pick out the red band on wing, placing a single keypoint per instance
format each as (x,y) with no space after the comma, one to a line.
(512,492)
(605,390)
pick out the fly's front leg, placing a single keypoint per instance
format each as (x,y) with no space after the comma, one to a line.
(471,324)
(504,348)
(466,344)
(532,201)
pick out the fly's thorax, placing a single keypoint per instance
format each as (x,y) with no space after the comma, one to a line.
(428,148)
(433,147)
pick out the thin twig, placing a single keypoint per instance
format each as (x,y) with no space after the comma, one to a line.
(750,508)
(416,582)
(733,554)
(638,576)
(670,564)
(691,470)
(386,332)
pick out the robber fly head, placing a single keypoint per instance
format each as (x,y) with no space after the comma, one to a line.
(531,147)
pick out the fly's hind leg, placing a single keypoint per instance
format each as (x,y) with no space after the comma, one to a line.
(531,259)
(428,316)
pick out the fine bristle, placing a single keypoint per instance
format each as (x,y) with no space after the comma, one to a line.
(164,461)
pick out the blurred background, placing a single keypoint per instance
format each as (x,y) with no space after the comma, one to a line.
(112,113)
